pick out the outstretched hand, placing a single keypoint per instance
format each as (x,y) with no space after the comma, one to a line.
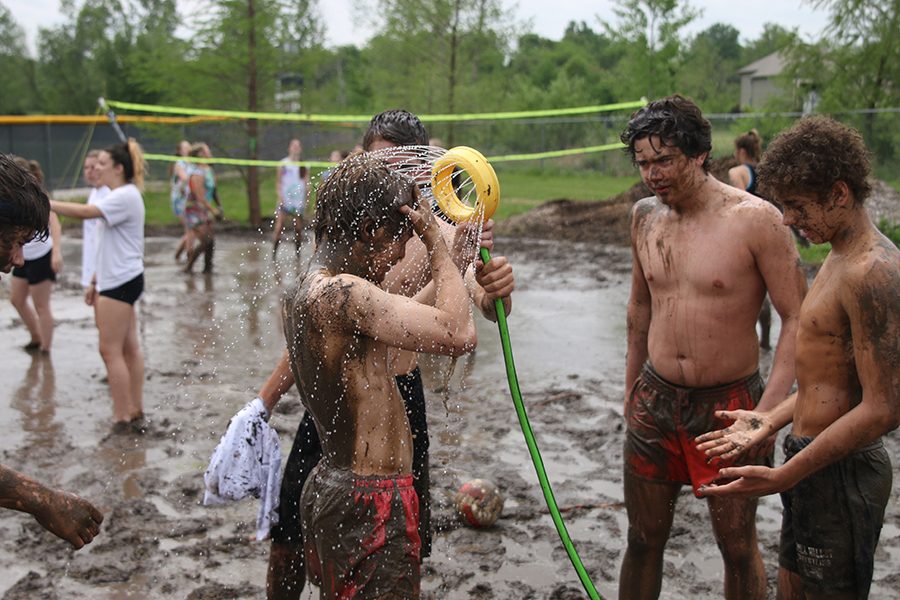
(749,429)
(751,480)
(69,517)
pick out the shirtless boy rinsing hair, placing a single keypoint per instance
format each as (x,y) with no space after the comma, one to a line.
(340,327)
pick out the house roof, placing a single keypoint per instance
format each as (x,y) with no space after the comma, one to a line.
(767,66)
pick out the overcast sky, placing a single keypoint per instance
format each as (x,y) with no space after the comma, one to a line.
(548,18)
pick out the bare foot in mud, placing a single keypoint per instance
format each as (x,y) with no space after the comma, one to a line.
(69,517)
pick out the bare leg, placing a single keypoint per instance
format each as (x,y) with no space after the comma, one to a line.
(18,296)
(276,235)
(115,319)
(286,575)
(734,525)
(134,358)
(200,235)
(298,233)
(40,295)
(651,507)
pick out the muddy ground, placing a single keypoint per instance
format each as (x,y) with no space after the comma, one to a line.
(211,340)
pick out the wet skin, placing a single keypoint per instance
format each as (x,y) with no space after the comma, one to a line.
(705,255)
(340,327)
(63,514)
(848,350)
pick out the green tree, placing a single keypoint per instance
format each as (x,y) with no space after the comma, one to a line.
(855,66)
(709,71)
(650,32)
(84,57)
(241,55)
(438,55)
(19,92)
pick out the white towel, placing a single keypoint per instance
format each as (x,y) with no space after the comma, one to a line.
(247,462)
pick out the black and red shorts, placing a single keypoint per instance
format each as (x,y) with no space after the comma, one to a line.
(361,534)
(663,419)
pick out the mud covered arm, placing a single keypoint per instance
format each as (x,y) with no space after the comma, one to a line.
(779,263)
(639,307)
(65,515)
(872,303)
(401,322)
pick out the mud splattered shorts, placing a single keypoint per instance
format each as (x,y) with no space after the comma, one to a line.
(663,419)
(832,520)
(361,534)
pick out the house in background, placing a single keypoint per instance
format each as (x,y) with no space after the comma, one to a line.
(758,81)
(760,84)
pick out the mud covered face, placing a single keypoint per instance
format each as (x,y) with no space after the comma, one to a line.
(816,220)
(665,170)
(11,243)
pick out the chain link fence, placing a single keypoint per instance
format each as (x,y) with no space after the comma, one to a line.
(60,148)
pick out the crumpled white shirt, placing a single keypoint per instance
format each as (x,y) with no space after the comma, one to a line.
(247,462)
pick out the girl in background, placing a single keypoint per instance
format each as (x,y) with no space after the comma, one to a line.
(118,280)
(35,279)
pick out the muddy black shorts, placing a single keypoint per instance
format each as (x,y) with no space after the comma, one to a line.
(832,520)
(128,292)
(307,450)
(362,537)
(663,419)
(36,271)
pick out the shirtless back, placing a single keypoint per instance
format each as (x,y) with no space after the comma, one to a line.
(349,372)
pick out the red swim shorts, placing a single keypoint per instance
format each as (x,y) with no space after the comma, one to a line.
(361,534)
(663,419)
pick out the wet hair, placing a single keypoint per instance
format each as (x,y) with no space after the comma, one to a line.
(812,156)
(131,156)
(24,204)
(751,143)
(397,126)
(677,121)
(360,188)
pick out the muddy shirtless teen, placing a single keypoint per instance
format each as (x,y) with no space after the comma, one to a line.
(359,508)
(704,256)
(836,478)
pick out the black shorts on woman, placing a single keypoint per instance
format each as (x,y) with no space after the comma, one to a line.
(129,292)
(36,271)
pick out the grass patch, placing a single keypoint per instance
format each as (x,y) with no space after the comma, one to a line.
(814,254)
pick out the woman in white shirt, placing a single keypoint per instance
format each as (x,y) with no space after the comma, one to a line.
(118,280)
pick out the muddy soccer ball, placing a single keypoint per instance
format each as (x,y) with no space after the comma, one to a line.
(479,503)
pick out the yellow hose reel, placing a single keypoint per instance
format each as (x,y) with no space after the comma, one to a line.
(484,180)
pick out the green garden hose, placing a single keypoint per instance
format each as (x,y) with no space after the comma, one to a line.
(532,445)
